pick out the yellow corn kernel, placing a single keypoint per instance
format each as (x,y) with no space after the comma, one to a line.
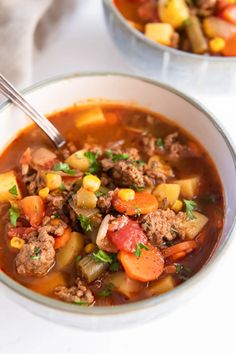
(17,242)
(43,193)
(53,181)
(126,194)
(159,32)
(90,247)
(217,44)
(91,183)
(177,206)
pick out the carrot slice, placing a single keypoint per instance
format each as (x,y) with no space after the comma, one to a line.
(230,47)
(143,203)
(186,247)
(149,266)
(60,241)
(33,209)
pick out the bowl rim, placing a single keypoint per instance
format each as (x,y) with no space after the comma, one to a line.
(152,44)
(152,302)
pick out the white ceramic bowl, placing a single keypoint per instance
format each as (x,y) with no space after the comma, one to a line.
(59,93)
(199,74)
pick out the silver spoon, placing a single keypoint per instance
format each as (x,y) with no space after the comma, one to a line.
(9,91)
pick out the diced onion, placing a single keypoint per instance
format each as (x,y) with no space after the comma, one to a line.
(102,241)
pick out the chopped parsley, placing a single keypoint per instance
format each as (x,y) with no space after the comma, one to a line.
(64,167)
(37,253)
(182,271)
(62,187)
(93,162)
(78,258)
(140,162)
(115,265)
(138,251)
(137,188)
(160,143)
(116,157)
(107,291)
(81,303)
(190,206)
(14,215)
(13,190)
(102,256)
(137,211)
(85,223)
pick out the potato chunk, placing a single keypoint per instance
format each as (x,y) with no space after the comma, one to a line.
(159,32)
(91,116)
(169,191)
(9,187)
(192,228)
(161,286)
(71,249)
(189,186)
(124,285)
(78,161)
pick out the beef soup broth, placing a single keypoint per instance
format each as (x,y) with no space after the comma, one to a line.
(129,209)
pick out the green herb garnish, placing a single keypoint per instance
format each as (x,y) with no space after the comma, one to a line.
(62,187)
(107,291)
(14,214)
(190,206)
(137,211)
(78,258)
(64,167)
(116,157)
(13,190)
(160,143)
(94,164)
(138,251)
(102,256)
(137,188)
(81,303)
(37,253)
(182,271)
(85,223)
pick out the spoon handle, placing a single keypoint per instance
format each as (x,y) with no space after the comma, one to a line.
(9,91)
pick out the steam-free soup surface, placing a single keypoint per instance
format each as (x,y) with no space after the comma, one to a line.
(129,209)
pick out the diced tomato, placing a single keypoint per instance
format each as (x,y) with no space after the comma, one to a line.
(21,232)
(128,237)
(33,209)
(221,5)
(229,13)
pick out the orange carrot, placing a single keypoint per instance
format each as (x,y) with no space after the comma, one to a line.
(143,203)
(184,248)
(60,241)
(33,209)
(230,47)
(147,267)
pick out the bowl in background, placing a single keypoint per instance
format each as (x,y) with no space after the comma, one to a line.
(198,74)
(57,94)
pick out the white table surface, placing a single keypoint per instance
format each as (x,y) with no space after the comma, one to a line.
(206,324)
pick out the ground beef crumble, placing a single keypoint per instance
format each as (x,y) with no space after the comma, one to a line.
(162,225)
(75,294)
(37,256)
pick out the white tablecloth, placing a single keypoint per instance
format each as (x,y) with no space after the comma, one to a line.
(206,324)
